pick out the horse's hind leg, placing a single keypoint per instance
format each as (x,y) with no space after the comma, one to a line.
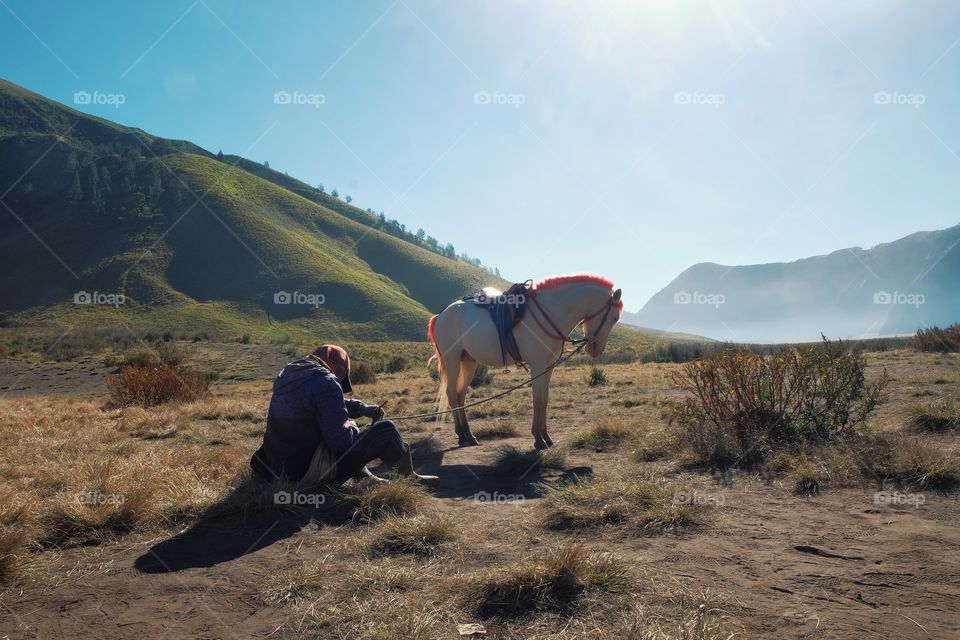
(467,368)
(453,364)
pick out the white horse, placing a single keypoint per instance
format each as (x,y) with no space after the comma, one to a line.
(464,336)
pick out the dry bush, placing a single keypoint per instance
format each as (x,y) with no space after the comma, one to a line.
(362,373)
(606,433)
(937,415)
(937,340)
(150,386)
(379,500)
(419,536)
(614,500)
(551,583)
(742,405)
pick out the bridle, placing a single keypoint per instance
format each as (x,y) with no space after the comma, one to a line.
(557,334)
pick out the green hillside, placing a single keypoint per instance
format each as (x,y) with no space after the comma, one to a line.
(95,206)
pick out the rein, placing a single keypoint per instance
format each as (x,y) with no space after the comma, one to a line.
(580,343)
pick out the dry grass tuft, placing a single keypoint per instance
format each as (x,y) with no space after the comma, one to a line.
(420,536)
(615,500)
(377,501)
(607,433)
(922,465)
(937,416)
(15,520)
(495,430)
(513,461)
(150,386)
(552,583)
(655,446)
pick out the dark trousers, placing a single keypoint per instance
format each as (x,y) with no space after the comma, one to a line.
(380,441)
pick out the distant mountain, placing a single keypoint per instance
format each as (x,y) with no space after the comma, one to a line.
(92,206)
(896,287)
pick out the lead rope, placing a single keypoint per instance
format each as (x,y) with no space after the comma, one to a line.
(581,343)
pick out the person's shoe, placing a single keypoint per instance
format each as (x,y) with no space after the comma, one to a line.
(367,474)
(404,466)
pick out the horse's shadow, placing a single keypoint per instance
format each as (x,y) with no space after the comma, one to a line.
(238,525)
(487,481)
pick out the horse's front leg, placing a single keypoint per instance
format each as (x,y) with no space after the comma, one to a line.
(541,393)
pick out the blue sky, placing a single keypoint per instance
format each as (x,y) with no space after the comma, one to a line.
(627,138)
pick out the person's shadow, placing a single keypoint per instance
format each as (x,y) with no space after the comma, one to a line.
(249,519)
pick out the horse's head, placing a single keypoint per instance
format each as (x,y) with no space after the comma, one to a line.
(597,326)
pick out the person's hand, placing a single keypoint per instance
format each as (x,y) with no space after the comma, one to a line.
(373,412)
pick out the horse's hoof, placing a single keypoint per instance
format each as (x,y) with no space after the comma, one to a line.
(469,442)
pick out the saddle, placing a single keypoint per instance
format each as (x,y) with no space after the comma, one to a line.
(506,309)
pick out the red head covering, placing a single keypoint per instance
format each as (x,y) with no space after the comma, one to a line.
(338,362)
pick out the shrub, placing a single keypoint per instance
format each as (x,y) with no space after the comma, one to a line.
(361,373)
(743,405)
(395,364)
(482,376)
(597,377)
(937,340)
(149,386)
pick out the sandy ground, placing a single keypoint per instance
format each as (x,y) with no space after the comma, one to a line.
(837,565)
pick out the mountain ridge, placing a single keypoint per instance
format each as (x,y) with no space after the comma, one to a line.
(893,287)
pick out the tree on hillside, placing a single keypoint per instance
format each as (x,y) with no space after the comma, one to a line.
(320,188)
(449,251)
(348,199)
(266,164)
(421,234)
(220,156)
(335,194)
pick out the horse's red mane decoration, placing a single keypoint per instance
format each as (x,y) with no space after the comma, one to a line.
(577,277)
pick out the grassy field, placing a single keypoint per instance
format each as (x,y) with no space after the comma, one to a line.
(121,520)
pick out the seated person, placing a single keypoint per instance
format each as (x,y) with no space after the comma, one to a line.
(311,435)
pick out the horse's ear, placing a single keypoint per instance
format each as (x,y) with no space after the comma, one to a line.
(616,295)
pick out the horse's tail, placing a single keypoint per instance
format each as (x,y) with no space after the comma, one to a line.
(441,390)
